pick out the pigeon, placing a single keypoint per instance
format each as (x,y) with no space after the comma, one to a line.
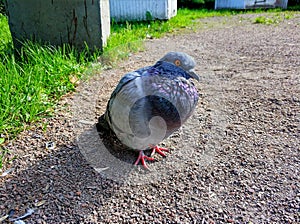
(151,103)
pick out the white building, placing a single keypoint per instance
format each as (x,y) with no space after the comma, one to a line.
(250,4)
(131,10)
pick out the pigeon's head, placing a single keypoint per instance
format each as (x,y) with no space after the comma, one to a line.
(182,60)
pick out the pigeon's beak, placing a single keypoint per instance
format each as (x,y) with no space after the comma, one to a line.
(194,75)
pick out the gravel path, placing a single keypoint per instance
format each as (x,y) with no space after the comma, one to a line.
(235,161)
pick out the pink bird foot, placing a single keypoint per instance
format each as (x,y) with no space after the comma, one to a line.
(142,157)
(159,150)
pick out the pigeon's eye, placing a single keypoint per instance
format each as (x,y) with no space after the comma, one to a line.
(177,62)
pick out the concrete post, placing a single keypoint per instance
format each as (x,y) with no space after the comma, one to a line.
(76,22)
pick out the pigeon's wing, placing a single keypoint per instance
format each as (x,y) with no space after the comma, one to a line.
(125,80)
(120,106)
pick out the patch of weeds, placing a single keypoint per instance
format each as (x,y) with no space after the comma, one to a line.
(274,18)
(265,20)
(289,15)
(111,56)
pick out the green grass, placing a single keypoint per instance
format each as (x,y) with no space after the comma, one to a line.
(274,18)
(5,37)
(32,82)
(266,20)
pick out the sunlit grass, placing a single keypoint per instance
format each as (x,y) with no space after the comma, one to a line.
(274,18)
(31,84)
(32,81)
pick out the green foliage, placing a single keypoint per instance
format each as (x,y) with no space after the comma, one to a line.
(274,18)
(31,84)
(264,20)
(5,37)
(295,7)
(195,4)
(32,81)
(294,3)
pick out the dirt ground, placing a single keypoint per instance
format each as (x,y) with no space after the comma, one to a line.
(236,160)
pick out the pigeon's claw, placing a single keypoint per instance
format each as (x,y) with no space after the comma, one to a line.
(159,150)
(142,157)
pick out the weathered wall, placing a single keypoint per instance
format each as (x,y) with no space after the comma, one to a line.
(77,22)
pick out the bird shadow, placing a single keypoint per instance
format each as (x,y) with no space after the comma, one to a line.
(107,155)
(61,184)
(69,182)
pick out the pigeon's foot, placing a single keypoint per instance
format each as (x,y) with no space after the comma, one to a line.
(159,150)
(142,157)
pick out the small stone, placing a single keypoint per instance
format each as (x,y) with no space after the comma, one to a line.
(149,197)
(85,205)
(251,190)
